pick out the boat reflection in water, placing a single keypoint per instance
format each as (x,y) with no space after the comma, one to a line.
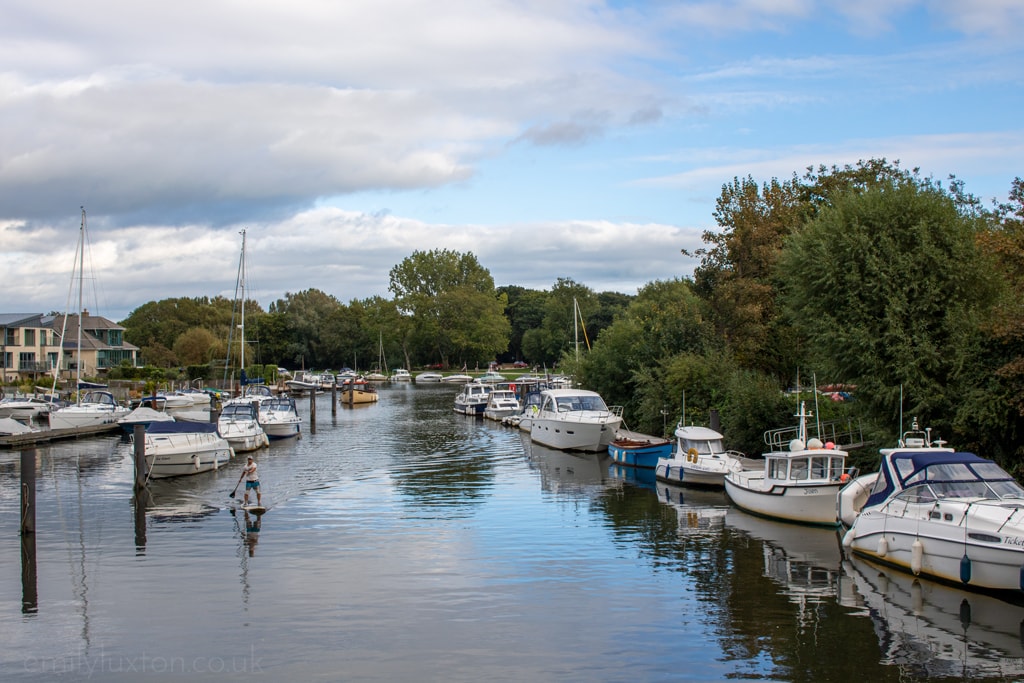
(701,512)
(805,561)
(928,629)
(567,471)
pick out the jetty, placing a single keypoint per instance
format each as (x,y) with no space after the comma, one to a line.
(29,439)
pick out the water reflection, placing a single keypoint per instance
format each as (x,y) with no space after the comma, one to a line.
(408,542)
(927,629)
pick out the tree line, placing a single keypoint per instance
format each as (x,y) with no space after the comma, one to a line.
(903,290)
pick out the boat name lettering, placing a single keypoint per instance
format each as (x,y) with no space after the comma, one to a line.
(1014,540)
(810,491)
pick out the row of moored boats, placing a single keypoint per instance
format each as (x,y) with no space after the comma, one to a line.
(928,510)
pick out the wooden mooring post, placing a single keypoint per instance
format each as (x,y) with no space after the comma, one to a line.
(312,411)
(139,439)
(29,586)
(28,491)
(334,398)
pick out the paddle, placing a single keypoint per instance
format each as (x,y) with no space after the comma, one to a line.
(232,494)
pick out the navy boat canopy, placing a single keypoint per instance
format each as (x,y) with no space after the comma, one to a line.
(918,467)
(181,427)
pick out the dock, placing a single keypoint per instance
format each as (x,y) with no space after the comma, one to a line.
(29,439)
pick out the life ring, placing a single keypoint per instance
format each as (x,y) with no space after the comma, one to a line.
(691,455)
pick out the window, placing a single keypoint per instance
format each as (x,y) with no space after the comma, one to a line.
(26,360)
(798,469)
(30,337)
(11,336)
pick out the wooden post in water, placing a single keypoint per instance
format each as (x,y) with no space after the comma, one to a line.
(334,397)
(141,475)
(312,411)
(29,584)
(28,491)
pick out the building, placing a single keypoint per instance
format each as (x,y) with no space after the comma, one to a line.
(31,345)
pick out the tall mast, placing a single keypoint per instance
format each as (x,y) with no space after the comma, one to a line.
(241,281)
(81,267)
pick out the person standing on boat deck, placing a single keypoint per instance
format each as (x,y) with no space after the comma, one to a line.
(252,480)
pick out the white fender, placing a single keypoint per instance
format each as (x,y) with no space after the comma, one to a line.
(883,547)
(916,555)
(848,538)
(195,461)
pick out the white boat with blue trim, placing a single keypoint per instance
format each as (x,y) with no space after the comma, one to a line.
(947,515)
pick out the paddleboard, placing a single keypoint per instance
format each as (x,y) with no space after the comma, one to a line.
(254,509)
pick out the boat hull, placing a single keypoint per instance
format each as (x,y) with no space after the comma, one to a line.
(994,551)
(178,455)
(639,453)
(74,417)
(581,433)
(813,504)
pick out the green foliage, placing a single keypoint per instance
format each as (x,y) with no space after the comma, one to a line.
(452,306)
(888,289)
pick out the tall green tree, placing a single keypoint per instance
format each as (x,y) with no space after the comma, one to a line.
(306,316)
(889,289)
(454,309)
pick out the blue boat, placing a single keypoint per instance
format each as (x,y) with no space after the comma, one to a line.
(638,450)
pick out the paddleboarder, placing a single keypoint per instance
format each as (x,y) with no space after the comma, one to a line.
(252,480)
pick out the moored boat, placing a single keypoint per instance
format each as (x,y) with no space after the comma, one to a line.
(280,418)
(501,403)
(947,515)
(357,390)
(796,485)
(94,408)
(175,449)
(574,420)
(638,450)
(701,459)
(239,424)
(473,398)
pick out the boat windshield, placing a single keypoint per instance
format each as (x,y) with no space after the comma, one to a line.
(703,446)
(963,480)
(576,403)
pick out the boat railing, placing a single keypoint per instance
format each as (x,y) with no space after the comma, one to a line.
(845,435)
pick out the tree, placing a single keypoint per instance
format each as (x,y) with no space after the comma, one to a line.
(888,289)
(452,305)
(196,346)
(305,314)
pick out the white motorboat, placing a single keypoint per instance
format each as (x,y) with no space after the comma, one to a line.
(701,459)
(10,427)
(796,485)
(501,403)
(239,424)
(473,398)
(176,399)
(428,377)
(401,375)
(175,449)
(947,515)
(95,408)
(305,382)
(456,379)
(280,418)
(24,407)
(574,420)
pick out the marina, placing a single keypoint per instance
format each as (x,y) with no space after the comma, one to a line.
(404,542)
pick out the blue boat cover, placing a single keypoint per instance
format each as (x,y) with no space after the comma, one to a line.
(908,464)
(181,427)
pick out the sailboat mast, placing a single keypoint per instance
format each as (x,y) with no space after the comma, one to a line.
(241,281)
(78,347)
(575,326)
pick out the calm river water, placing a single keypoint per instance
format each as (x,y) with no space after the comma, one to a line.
(408,543)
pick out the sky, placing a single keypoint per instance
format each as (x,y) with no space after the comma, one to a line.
(580,139)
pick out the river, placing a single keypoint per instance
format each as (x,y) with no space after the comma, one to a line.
(405,542)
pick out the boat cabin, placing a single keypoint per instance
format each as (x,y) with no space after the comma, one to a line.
(810,464)
(933,475)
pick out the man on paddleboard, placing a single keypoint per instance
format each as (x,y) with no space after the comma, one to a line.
(252,480)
